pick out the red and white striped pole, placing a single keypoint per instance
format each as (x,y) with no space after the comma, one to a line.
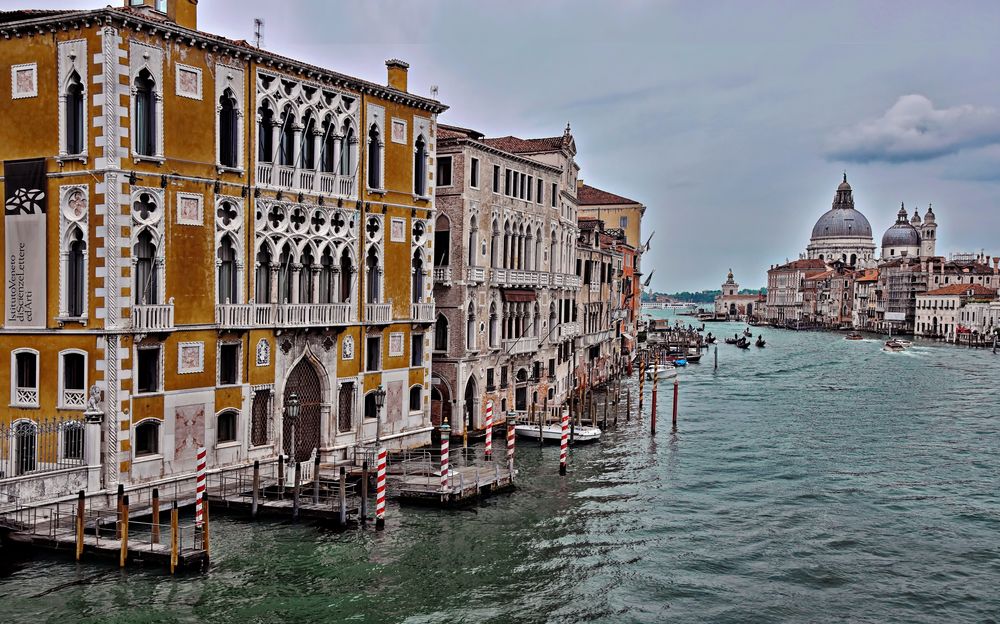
(445,435)
(510,448)
(489,429)
(200,489)
(380,491)
(564,442)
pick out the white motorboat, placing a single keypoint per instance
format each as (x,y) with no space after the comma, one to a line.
(553,432)
(660,371)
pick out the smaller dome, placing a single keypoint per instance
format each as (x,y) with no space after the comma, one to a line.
(901,234)
(915,220)
(844,186)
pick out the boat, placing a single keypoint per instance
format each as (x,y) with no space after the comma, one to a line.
(854,336)
(894,345)
(552,432)
(743,343)
(732,341)
(680,361)
(748,333)
(760,342)
(661,371)
(906,343)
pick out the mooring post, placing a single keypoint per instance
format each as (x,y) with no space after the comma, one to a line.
(445,459)
(380,490)
(541,419)
(652,422)
(123,555)
(342,494)
(316,479)
(364,492)
(173,538)
(204,529)
(281,476)
(81,508)
(121,496)
(677,386)
(607,395)
(564,442)
(256,489)
(716,357)
(642,380)
(295,493)
(628,404)
(510,449)
(155,529)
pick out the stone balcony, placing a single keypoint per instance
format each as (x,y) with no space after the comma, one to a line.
(518,346)
(569,330)
(281,177)
(380,313)
(442,276)
(422,312)
(252,315)
(475,275)
(153,317)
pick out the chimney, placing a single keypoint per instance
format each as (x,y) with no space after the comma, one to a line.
(397,73)
(184,13)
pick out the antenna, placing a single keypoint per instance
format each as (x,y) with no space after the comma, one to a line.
(258,32)
(434,91)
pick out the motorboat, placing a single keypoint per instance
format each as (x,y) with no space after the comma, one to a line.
(660,371)
(854,336)
(906,343)
(894,345)
(552,432)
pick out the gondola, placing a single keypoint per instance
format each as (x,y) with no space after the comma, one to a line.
(743,343)
(760,342)
(748,333)
(731,341)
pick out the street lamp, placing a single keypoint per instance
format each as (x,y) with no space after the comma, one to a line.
(292,414)
(379,404)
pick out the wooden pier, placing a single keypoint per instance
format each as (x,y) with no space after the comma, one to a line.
(416,477)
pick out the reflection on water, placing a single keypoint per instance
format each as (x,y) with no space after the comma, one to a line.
(817,479)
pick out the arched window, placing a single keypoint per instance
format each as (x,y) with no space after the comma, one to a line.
(374,158)
(536,258)
(417,287)
(371,409)
(147,438)
(473,234)
(146,288)
(226,426)
(494,324)
(308,146)
(420,167)
(346,276)
(265,140)
(442,241)
(285,274)
(262,287)
(286,141)
(227,271)
(495,246)
(76,275)
(373,286)
(416,398)
(347,159)
(74,115)
(536,320)
(145,114)
(470,328)
(329,155)
(441,333)
(73,380)
(305,277)
(229,132)
(24,392)
(326,284)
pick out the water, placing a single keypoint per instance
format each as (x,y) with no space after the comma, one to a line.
(815,480)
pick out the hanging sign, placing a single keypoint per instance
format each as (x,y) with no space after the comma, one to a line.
(25,205)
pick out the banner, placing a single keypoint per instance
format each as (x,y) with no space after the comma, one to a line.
(25,205)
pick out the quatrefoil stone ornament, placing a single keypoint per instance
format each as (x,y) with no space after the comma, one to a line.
(373,227)
(144,208)
(276,216)
(227,213)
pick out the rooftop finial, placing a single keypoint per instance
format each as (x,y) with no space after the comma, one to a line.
(845,175)
(567,129)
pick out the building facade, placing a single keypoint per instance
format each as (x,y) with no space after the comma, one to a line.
(939,312)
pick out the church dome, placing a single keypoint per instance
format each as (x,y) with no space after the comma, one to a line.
(842,220)
(902,233)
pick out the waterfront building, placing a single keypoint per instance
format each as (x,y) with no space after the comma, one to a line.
(842,233)
(504,272)
(599,266)
(207,229)
(863,308)
(730,304)
(784,289)
(828,297)
(939,311)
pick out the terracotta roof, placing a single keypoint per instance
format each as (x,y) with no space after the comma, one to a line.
(588,195)
(977,290)
(515,145)
(807,263)
(446,131)
(22,14)
(868,275)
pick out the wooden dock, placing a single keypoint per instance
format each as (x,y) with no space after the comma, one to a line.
(109,549)
(466,485)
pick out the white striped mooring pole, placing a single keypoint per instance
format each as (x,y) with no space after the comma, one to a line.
(564,442)
(380,491)
(510,449)
(445,436)
(489,429)
(200,489)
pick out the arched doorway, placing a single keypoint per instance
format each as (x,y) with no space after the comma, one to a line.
(521,391)
(732,309)
(749,309)
(471,404)
(304,381)
(440,402)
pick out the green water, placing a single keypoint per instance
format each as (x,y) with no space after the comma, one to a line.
(815,480)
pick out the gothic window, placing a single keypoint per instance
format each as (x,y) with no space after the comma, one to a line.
(494,323)
(286,141)
(74,115)
(262,289)
(373,287)
(374,158)
(25,387)
(495,246)
(76,275)
(473,233)
(228,130)
(308,147)
(417,286)
(442,241)
(470,328)
(260,417)
(326,284)
(145,114)
(328,153)
(346,276)
(227,271)
(441,333)
(420,167)
(226,426)
(347,159)
(284,275)
(265,141)
(147,438)
(305,277)
(146,289)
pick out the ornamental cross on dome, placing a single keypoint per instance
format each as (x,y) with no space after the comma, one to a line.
(227,213)
(145,206)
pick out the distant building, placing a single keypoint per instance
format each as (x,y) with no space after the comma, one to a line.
(784,289)
(842,233)
(938,312)
(731,304)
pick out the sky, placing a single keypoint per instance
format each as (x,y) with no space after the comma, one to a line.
(733,122)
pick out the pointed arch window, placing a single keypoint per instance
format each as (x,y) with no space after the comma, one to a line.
(441,333)
(346,276)
(308,145)
(265,140)
(347,159)
(374,158)
(74,115)
(146,287)
(373,273)
(473,235)
(470,328)
(417,287)
(305,277)
(76,275)
(494,324)
(286,142)
(326,285)
(329,155)
(145,114)
(420,167)
(284,275)
(228,130)
(227,271)
(262,286)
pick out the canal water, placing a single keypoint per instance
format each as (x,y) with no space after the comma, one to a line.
(817,479)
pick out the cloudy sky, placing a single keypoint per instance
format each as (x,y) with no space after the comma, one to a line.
(731,121)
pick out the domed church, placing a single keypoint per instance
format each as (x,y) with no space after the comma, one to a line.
(910,237)
(842,233)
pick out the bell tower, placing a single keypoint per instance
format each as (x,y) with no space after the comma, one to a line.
(928,234)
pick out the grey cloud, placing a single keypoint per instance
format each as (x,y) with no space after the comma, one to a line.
(913,129)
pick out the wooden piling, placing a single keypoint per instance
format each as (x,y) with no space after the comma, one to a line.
(677,386)
(342,495)
(123,554)
(118,526)
(81,508)
(255,497)
(295,492)
(155,529)
(204,527)
(628,404)
(281,475)
(652,421)
(541,419)
(716,357)
(316,479)
(173,538)
(604,422)
(364,492)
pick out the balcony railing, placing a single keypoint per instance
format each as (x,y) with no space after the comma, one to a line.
(306,180)
(423,312)
(572,281)
(475,274)
(250,315)
(498,277)
(518,346)
(153,317)
(442,275)
(568,330)
(25,397)
(378,312)
(74,398)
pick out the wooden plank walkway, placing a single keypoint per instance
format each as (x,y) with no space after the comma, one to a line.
(110,548)
(466,485)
